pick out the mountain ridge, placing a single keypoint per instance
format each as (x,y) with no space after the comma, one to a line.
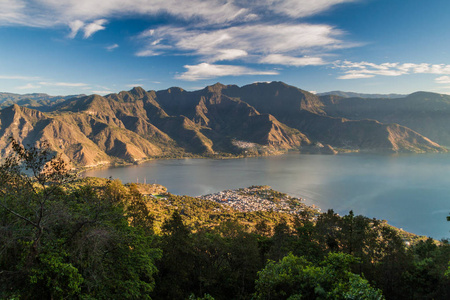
(361,95)
(217,121)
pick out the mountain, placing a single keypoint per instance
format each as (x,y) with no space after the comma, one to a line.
(30,126)
(360,95)
(423,112)
(308,113)
(39,101)
(219,120)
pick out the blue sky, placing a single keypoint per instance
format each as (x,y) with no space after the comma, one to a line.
(66,47)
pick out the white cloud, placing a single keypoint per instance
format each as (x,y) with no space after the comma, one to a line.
(262,38)
(47,13)
(242,29)
(278,59)
(229,54)
(250,41)
(443,79)
(77,13)
(302,8)
(51,12)
(364,69)
(75,26)
(355,76)
(93,27)
(11,12)
(89,29)
(28,86)
(112,47)
(64,84)
(147,52)
(207,71)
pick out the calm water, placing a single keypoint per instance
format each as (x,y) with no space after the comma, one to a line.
(410,191)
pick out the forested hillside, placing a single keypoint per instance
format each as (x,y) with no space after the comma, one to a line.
(68,238)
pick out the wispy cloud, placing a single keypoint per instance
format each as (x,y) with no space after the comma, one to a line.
(91,15)
(229,54)
(12,12)
(354,70)
(93,27)
(279,59)
(302,8)
(355,76)
(207,71)
(75,26)
(64,84)
(50,12)
(147,52)
(88,29)
(259,38)
(264,31)
(112,47)
(47,13)
(246,41)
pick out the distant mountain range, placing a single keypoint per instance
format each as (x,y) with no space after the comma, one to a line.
(222,120)
(360,95)
(35,100)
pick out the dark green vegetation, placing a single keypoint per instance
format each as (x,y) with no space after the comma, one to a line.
(58,241)
(221,121)
(62,238)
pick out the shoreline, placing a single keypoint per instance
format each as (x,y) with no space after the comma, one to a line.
(118,164)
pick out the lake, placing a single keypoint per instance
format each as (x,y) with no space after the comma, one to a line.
(410,191)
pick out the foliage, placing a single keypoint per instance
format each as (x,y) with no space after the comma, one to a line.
(59,242)
(296,278)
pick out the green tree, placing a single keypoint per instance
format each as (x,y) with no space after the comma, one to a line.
(328,230)
(307,244)
(281,241)
(175,278)
(60,241)
(296,278)
(425,277)
(30,186)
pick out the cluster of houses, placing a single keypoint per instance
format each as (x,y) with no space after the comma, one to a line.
(258,199)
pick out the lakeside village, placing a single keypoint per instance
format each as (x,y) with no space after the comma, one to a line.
(251,199)
(262,198)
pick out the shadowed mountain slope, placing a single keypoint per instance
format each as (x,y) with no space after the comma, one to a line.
(426,113)
(309,114)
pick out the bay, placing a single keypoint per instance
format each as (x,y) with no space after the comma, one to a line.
(411,192)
